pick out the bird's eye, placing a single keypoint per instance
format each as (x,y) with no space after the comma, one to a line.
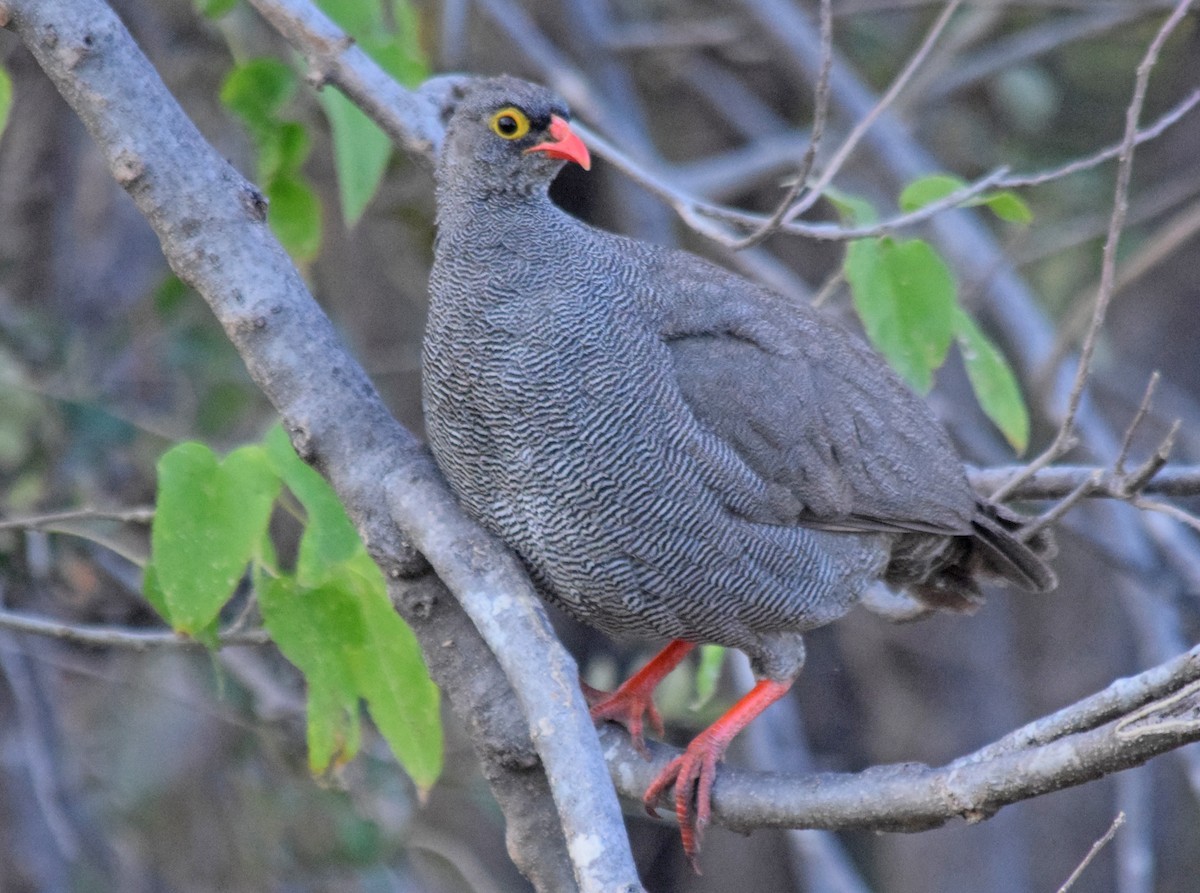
(510,123)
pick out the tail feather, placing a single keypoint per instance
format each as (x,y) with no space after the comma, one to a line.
(1007,555)
(942,572)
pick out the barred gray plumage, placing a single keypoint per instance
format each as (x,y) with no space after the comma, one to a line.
(672,450)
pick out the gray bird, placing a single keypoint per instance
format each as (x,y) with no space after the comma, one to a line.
(673,450)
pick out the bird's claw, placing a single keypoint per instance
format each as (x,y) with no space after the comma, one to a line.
(692,773)
(629,707)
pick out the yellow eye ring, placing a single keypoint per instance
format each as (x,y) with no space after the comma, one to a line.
(509,123)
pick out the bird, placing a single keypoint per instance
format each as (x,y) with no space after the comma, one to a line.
(673,451)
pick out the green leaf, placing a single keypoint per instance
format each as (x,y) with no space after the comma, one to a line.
(391,676)
(905,295)
(388,33)
(329,537)
(153,592)
(387,30)
(927,190)
(357,17)
(316,628)
(6,96)
(256,90)
(993,381)
(210,521)
(214,9)
(855,210)
(712,658)
(1005,204)
(295,216)
(294,145)
(360,154)
(346,638)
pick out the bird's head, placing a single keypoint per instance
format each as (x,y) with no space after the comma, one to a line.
(508,136)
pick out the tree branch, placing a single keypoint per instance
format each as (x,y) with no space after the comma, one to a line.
(211,224)
(1126,724)
(1058,481)
(120,636)
(1064,438)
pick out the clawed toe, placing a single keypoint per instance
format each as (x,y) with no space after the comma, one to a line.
(632,712)
(692,774)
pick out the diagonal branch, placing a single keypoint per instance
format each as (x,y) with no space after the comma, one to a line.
(212,228)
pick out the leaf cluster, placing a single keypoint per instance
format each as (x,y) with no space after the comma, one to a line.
(907,299)
(330,614)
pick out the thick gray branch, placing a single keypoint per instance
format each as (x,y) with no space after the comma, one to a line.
(212,227)
(495,590)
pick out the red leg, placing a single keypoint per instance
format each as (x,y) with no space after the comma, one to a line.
(696,767)
(633,702)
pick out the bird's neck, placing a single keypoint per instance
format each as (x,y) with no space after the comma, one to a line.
(465,205)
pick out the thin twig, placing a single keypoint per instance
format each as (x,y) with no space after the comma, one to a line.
(136,515)
(698,214)
(1136,481)
(820,116)
(1093,852)
(851,142)
(1167,239)
(1138,418)
(1059,509)
(1108,153)
(1171,511)
(1065,436)
(120,636)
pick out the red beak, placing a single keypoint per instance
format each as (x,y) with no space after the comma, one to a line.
(564,143)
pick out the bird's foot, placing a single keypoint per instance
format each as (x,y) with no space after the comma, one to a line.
(630,706)
(692,773)
(633,703)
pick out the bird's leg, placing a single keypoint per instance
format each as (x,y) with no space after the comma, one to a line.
(696,768)
(633,701)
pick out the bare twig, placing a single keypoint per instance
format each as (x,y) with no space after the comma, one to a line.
(694,211)
(1171,511)
(1169,238)
(1135,423)
(136,515)
(1108,153)
(1065,437)
(1093,852)
(1136,480)
(1057,481)
(1085,488)
(820,115)
(855,136)
(120,636)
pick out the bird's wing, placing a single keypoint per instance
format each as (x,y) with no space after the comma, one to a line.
(808,407)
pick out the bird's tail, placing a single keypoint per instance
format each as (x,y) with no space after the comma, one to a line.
(1006,552)
(944,572)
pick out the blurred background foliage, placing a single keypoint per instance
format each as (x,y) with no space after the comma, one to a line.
(173,769)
